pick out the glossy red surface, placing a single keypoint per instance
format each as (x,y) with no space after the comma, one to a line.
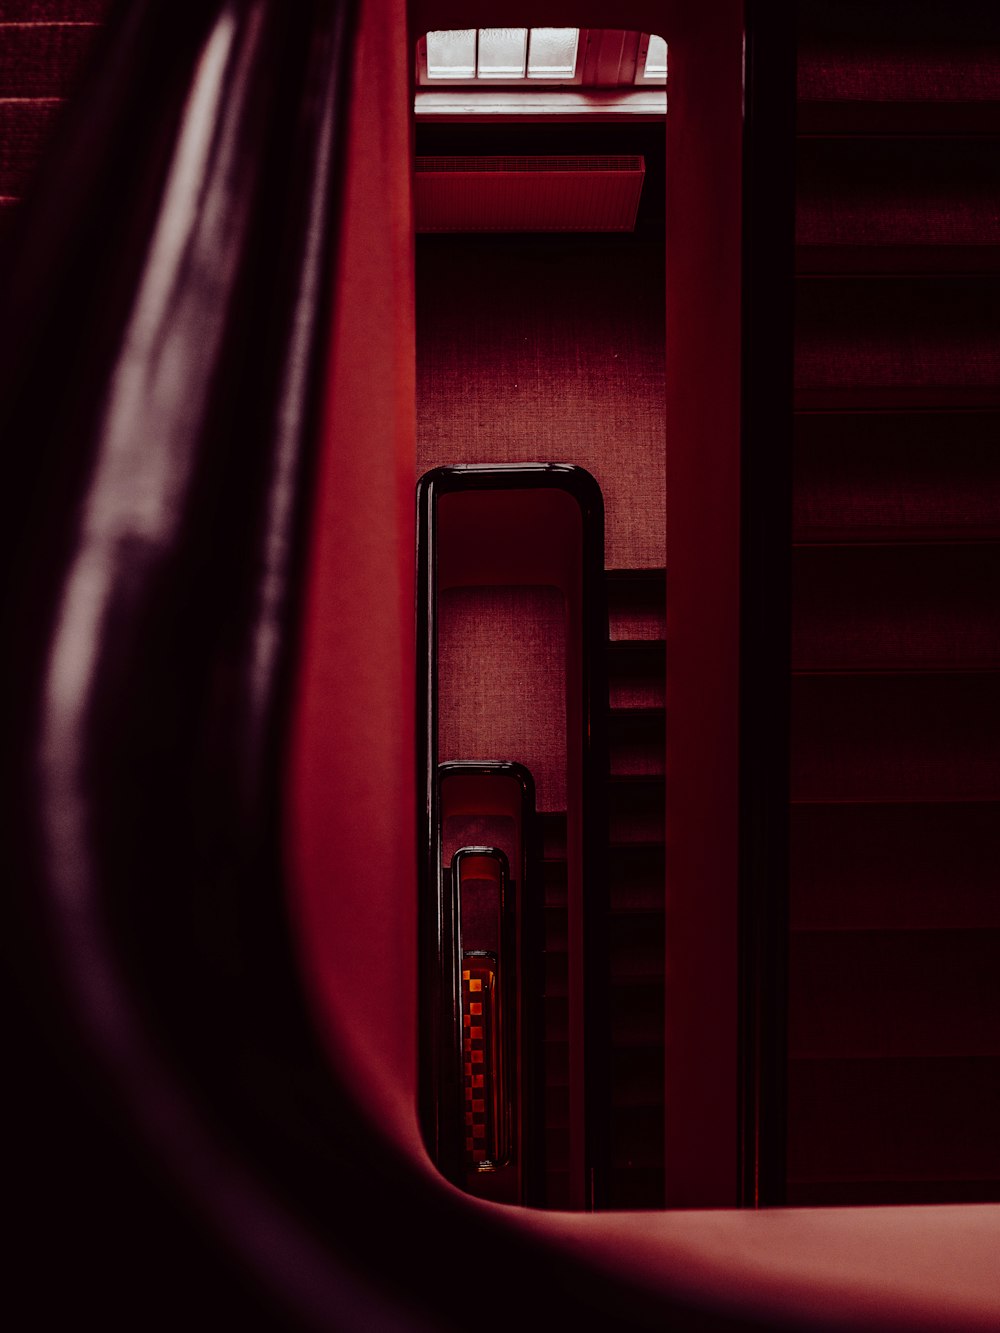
(851,1268)
(369,1238)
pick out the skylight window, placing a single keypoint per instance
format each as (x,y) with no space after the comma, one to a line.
(655,68)
(508,55)
(502,53)
(452,54)
(553,53)
(465,72)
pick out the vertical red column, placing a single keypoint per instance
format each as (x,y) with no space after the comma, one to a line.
(704,178)
(351,815)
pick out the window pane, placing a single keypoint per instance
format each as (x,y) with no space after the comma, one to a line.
(452,55)
(552,54)
(501,52)
(656,58)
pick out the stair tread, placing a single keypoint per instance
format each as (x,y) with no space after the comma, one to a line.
(636,674)
(884,476)
(882,342)
(44,59)
(894,1006)
(55,11)
(862,737)
(934,56)
(874,67)
(872,1191)
(637,811)
(636,605)
(923,865)
(636,742)
(650,651)
(894,1117)
(25,125)
(905,193)
(872,994)
(926,607)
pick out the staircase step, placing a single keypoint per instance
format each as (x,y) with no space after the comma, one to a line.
(637,876)
(898,738)
(636,742)
(880,68)
(557,1063)
(880,994)
(894,1005)
(900,204)
(556,1151)
(891,342)
(914,607)
(8,211)
(636,604)
(557,1105)
(25,126)
(637,1137)
(43,59)
(557,1193)
(887,476)
(556,973)
(553,834)
(637,1075)
(556,938)
(636,945)
(475,830)
(823,117)
(556,1022)
(636,1188)
(873,1193)
(637,811)
(885,867)
(54,11)
(922,70)
(880,1120)
(637,1012)
(554,884)
(556,1013)
(636,671)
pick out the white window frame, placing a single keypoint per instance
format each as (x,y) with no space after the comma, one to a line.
(641,78)
(631,97)
(442,85)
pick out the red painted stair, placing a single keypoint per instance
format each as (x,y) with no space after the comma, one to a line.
(894,1003)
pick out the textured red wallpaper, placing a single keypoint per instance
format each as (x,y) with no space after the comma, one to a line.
(549,349)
